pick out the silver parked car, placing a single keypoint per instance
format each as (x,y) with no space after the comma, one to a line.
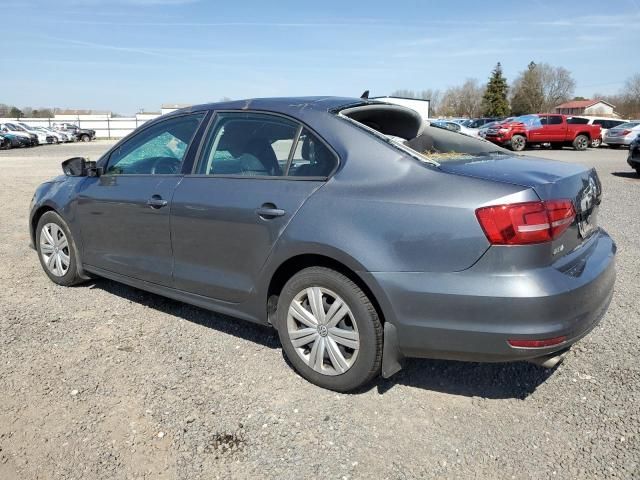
(622,135)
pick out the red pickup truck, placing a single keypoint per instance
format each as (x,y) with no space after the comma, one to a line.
(539,128)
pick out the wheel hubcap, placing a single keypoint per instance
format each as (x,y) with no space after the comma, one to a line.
(323,331)
(54,248)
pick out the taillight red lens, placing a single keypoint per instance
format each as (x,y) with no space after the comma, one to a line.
(525,223)
(625,132)
(547,342)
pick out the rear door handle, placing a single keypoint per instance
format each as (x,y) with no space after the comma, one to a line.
(269,211)
(156,201)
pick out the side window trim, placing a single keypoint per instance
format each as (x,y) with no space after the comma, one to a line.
(135,133)
(292,152)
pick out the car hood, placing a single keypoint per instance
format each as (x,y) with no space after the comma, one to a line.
(549,178)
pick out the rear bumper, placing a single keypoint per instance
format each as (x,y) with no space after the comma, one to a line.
(470,315)
(617,140)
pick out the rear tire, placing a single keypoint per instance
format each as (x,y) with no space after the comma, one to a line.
(596,143)
(85,138)
(638,171)
(343,350)
(56,250)
(518,143)
(581,142)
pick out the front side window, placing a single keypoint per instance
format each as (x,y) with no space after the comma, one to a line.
(157,150)
(555,120)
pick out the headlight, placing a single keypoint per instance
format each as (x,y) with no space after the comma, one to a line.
(504,130)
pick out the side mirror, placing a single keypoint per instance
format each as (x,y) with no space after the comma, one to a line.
(80,167)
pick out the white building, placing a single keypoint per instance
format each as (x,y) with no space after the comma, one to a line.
(587,107)
(171,107)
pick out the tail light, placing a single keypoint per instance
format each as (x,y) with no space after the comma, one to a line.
(547,342)
(526,223)
(625,132)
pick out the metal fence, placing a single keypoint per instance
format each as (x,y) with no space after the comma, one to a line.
(105,126)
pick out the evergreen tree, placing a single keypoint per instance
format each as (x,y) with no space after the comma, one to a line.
(494,101)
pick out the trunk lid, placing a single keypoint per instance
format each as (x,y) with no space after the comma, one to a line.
(551,180)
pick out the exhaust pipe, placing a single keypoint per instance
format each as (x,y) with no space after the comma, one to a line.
(549,361)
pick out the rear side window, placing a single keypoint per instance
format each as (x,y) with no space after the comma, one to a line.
(263,145)
(311,158)
(248,144)
(555,120)
(579,121)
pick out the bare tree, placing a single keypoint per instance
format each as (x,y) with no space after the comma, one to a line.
(557,85)
(464,100)
(632,95)
(627,101)
(540,88)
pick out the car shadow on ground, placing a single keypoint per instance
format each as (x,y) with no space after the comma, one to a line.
(633,175)
(252,332)
(486,380)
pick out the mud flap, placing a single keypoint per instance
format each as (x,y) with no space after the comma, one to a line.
(391,356)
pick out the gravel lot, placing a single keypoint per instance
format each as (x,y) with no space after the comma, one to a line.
(103,381)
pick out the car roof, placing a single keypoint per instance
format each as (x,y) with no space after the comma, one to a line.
(285,105)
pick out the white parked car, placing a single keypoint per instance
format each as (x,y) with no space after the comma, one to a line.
(605,125)
(455,127)
(43,137)
(59,136)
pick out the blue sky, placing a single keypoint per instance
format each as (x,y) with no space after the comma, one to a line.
(124,55)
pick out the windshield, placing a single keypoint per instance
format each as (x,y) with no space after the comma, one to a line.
(16,127)
(529,120)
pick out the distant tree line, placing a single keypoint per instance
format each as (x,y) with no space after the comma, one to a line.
(26,112)
(537,89)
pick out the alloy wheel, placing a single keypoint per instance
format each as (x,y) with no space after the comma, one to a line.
(323,331)
(518,143)
(54,248)
(583,143)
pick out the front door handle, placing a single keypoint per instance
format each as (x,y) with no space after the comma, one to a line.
(269,211)
(156,201)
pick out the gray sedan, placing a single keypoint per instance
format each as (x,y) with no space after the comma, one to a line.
(622,135)
(359,233)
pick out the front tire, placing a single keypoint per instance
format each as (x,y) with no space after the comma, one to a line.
(85,138)
(581,142)
(518,143)
(57,250)
(596,143)
(329,329)
(638,171)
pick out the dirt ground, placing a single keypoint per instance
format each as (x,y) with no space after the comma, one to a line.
(103,381)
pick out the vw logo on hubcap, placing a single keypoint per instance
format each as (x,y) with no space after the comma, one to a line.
(322,330)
